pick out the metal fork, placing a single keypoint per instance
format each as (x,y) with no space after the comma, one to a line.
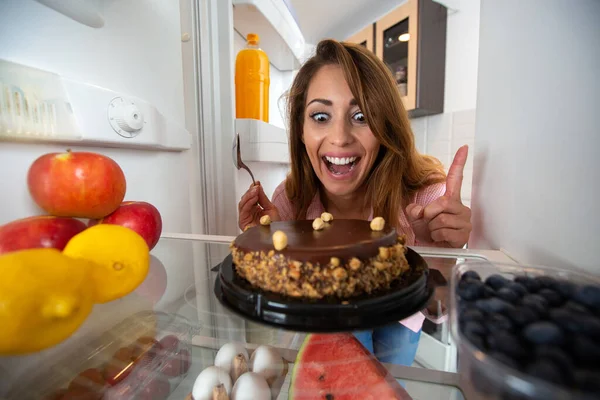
(237,157)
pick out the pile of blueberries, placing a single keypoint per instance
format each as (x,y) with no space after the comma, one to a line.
(545,327)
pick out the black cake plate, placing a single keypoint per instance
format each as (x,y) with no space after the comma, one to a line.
(331,314)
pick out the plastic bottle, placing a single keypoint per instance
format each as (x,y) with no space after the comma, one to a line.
(252,81)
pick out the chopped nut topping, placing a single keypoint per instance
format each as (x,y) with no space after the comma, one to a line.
(384,253)
(340,273)
(318,224)
(279,240)
(377,224)
(277,273)
(327,217)
(379,265)
(355,264)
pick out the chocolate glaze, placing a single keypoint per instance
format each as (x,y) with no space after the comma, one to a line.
(340,238)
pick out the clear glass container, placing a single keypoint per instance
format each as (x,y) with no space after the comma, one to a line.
(146,355)
(483,377)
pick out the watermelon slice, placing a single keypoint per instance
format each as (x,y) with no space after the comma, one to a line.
(339,367)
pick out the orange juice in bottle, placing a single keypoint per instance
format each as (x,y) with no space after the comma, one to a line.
(252,81)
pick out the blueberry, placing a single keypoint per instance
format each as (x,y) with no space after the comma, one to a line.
(471,314)
(536,302)
(464,306)
(517,288)
(470,275)
(544,332)
(546,370)
(585,350)
(557,355)
(522,316)
(565,288)
(499,322)
(589,325)
(494,305)
(575,322)
(546,281)
(587,380)
(470,289)
(554,299)
(589,296)
(496,281)
(504,359)
(507,343)
(576,307)
(478,342)
(488,292)
(474,328)
(507,294)
(531,284)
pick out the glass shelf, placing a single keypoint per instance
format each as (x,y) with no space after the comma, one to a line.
(181,281)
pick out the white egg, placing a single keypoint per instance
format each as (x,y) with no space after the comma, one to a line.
(207,380)
(251,386)
(226,354)
(267,362)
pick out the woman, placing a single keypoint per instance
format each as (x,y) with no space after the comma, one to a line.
(353,154)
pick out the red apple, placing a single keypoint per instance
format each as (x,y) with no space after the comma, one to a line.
(138,216)
(76,184)
(36,232)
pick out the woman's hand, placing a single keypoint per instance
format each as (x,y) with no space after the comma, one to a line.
(253,205)
(445,221)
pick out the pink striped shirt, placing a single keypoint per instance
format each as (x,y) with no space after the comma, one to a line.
(315,209)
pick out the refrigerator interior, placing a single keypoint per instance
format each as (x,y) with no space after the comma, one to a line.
(138,52)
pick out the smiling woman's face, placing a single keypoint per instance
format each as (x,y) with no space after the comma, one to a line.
(340,145)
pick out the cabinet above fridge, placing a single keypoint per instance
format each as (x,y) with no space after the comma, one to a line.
(411,40)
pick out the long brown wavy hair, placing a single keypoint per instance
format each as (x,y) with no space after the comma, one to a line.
(399,170)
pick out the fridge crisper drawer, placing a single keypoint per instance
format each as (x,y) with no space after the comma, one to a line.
(146,352)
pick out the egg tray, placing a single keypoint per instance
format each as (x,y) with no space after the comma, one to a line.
(329,314)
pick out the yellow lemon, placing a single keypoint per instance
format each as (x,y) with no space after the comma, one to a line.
(120,256)
(44,297)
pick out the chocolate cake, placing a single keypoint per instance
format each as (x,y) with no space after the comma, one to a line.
(343,258)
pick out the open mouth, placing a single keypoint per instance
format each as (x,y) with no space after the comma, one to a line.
(340,165)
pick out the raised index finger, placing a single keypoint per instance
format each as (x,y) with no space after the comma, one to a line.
(455,173)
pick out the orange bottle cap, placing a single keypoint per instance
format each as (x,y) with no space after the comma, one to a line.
(252,38)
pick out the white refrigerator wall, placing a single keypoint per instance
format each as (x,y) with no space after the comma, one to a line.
(137,52)
(537,170)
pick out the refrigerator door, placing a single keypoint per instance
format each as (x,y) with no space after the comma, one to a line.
(147,51)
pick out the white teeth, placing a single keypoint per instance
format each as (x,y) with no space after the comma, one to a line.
(340,161)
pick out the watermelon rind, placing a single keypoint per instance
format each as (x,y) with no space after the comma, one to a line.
(296,363)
